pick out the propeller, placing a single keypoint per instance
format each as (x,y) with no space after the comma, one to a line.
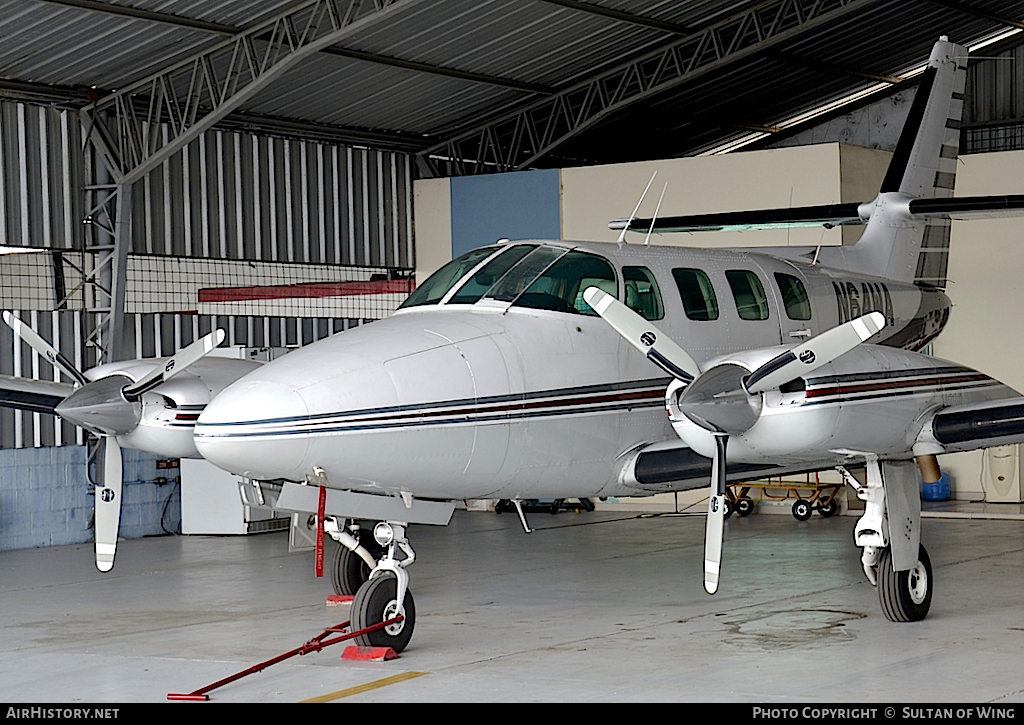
(725,399)
(108,407)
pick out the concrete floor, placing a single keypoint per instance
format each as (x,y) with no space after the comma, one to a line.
(598,606)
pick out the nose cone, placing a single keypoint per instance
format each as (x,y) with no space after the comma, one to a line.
(252,429)
(100,407)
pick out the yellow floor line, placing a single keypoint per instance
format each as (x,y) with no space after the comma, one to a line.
(367,687)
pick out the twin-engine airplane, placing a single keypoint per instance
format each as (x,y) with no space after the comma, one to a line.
(543,369)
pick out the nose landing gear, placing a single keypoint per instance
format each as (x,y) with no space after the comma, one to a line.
(385,594)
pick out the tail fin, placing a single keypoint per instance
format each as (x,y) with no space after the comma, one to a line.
(896,244)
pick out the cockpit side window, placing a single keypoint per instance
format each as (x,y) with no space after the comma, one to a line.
(438,284)
(560,288)
(642,293)
(794,296)
(748,292)
(698,294)
(476,286)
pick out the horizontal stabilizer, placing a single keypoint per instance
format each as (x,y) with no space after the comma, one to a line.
(38,396)
(828,215)
(969,207)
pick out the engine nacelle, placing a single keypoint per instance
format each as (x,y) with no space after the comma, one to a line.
(873,399)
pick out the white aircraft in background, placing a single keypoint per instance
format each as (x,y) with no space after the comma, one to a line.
(543,369)
(149,405)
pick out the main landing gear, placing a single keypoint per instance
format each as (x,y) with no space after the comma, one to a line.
(889,535)
(368,566)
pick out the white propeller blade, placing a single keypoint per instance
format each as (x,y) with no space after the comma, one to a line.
(44,348)
(715,527)
(814,353)
(645,337)
(108,504)
(174,365)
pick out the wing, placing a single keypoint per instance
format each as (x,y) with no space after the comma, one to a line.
(38,396)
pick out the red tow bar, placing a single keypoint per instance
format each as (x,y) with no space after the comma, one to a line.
(314,645)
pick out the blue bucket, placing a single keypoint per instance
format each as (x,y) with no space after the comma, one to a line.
(938,491)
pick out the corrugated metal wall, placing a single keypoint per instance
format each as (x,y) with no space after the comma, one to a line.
(41,177)
(238,196)
(994,111)
(226,195)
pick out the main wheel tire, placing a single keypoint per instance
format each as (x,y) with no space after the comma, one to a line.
(802,510)
(829,509)
(376,602)
(906,596)
(744,507)
(349,571)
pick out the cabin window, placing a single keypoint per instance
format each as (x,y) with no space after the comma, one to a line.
(794,296)
(476,286)
(438,284)
(698,295)
(560,288)
(748,292)
(642,293)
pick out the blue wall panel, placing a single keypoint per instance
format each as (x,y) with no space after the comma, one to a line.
(45,499)
(520,205)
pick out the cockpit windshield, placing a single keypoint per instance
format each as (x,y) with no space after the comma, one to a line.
(441,281)
(522,275)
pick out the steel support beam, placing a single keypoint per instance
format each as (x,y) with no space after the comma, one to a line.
(519,139)
(193,95)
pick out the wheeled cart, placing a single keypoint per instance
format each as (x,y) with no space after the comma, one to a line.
(810,495)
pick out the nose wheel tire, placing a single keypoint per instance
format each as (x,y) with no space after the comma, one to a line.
(349,571)
(906,596)
(376,602)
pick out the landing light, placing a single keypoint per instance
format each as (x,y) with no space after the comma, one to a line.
(383,533)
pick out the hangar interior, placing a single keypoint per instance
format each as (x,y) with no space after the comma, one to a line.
(286,171)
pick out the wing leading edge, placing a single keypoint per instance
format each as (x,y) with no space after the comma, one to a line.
(37,396)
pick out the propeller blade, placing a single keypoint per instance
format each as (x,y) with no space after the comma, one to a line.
(174,365)
(814,353)
(44,348)
(714,530)
(108,505)
(641,334)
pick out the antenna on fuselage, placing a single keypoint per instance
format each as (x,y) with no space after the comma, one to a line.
(622,235)
(647,241)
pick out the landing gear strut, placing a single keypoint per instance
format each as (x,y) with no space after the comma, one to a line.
(355,558)
(889,535)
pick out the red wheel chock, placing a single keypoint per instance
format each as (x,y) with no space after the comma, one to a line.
(369,654)
(314,645)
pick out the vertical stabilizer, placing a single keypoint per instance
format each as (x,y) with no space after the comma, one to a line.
(895,244)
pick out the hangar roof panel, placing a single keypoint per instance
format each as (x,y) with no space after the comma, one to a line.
(427,73)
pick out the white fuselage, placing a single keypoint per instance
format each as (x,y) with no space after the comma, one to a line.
(498,400)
